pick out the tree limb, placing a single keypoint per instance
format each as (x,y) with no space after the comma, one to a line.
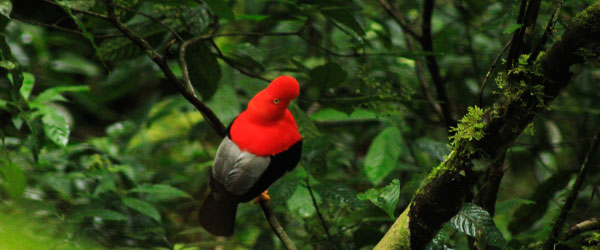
(433,66)
(279,231)
(582,227)
(445,188)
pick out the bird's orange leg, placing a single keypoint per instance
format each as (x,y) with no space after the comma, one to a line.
(264,196)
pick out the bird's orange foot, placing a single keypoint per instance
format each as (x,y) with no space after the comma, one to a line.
(264,196)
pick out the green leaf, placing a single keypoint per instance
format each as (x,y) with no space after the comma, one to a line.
(160,191)
(13,179)
(28,81)
(383,154)
(204,69)
(385,198)
(328,75)
(5,8)
(512,28)
(250,17)
(85,4)
(142,207)
(343,17)
(55,124)
(507,205)
(225,104)
(8,65)
(301,202)
(104,214)
(54,94)
(475,221)
(221,8)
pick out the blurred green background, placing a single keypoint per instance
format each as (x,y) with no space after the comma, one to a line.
(99,150)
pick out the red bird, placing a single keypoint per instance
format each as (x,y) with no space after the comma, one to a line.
(261,145)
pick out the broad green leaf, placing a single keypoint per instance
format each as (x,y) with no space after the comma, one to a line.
(12,179)
(383,154)
(221,8)
(512,28)
(104,214)
(343,17)
(385,198)
(507,205)
(55,124)
(225,104)
(54,94)
(301,202)
(328,75)
(160,191)
(204,70)
(250,17)
(142,207)
(28,81)
(329,114)
(475,221)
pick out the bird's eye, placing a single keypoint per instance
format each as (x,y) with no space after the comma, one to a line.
(276,100)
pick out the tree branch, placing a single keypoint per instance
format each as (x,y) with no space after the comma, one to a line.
(445,188)
(285,239)
(562,217)
(434,68)
(206,112)
(489,73)
(582,227)
(397,15)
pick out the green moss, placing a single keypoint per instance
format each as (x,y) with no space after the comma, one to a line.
(589,18)
(470,127)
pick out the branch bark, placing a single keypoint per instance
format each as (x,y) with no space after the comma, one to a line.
(442,195)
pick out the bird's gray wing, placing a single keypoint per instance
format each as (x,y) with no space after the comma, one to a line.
(237,170)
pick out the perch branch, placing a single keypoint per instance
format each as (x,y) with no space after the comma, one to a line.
(285,239)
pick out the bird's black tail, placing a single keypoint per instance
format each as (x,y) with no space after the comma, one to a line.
(217,214)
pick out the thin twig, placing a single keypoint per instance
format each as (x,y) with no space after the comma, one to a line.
(89,13)
(58,27)
(582,227)
(558,225)
(206,112)
(316,205)
(183,63)
(285,239)
(547,31)
(153,19)
(489,73)
(397,15)
(235,66)
(423,82)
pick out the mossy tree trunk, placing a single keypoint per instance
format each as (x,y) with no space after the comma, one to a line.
(485,134)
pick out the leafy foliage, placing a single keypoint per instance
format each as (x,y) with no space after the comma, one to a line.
(98,150)
(475,221)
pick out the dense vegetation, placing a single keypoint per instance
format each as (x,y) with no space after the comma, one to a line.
(455,121)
